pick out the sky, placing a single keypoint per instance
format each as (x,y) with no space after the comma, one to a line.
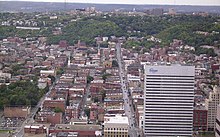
(161,2)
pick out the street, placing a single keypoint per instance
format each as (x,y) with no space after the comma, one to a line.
(128,106)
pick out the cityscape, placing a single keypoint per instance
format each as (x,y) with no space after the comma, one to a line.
(78,70)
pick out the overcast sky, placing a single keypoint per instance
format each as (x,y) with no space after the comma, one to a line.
(170,2)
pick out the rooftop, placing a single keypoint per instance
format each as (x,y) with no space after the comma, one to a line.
(117,119)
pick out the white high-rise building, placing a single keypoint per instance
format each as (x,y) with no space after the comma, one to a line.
(217,126)
(168,102)
(211,104)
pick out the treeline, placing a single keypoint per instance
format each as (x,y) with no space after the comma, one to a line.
(165,27)
(11,31)
(86,30)
(20,93)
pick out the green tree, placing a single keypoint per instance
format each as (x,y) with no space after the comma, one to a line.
(89,79)
(87,112)
(114,63)
(58,110)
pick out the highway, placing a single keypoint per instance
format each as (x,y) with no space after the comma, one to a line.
(128,106)
(20,131)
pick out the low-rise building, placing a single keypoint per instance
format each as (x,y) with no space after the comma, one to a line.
(35,129)
(116,126)
(83,130)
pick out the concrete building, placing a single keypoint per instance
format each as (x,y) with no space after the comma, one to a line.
(217,129)
(168,102)
(116,126)
(157,11)
(172,11)
(211,104)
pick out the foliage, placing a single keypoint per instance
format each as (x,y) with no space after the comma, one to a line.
(105,76)
(87,112)
(60,71)
(96,99)
(86,30)
(165,27)
(20,93)
(103,94)
(114,63)
(207,51)
(89,79)
(58,110)
(15,69)
(11,31)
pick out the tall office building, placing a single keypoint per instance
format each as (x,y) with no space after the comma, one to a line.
(217,126)
(168,102)
(211,104)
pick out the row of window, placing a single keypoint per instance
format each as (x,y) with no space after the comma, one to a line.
(153,104)
(168,97)
(176,87)
(170,81)
(116,129)
(168,101)
(168,129)
(112,135)
(178,125)
(164,84)
(170,115)
(170,76)
(169,118)
(171,90)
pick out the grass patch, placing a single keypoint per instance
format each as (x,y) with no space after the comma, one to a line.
(207,134)
(4,131)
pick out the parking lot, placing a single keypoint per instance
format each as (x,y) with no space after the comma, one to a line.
(11,122)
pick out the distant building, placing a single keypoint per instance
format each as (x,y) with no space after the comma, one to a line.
(172,11)
(46,73)
(157,11)
(53,17)
(217,129)
(116,126)
(168,100)
(211,104)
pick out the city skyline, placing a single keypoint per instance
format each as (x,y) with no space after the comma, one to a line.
(141,2)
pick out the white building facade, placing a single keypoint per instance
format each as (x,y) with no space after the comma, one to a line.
(168,100)
(217,129)
(211,104)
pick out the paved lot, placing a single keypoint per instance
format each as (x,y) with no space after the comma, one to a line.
(32,135)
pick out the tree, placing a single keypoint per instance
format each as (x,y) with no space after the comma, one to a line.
(60,71)
(96,99)
(89,79)
(58,110)
(87,112)
(105,76)
(114,63)
(23,93)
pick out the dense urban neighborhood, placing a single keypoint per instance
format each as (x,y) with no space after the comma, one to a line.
(81,73)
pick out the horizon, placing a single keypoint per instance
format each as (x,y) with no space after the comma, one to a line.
(127,2)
